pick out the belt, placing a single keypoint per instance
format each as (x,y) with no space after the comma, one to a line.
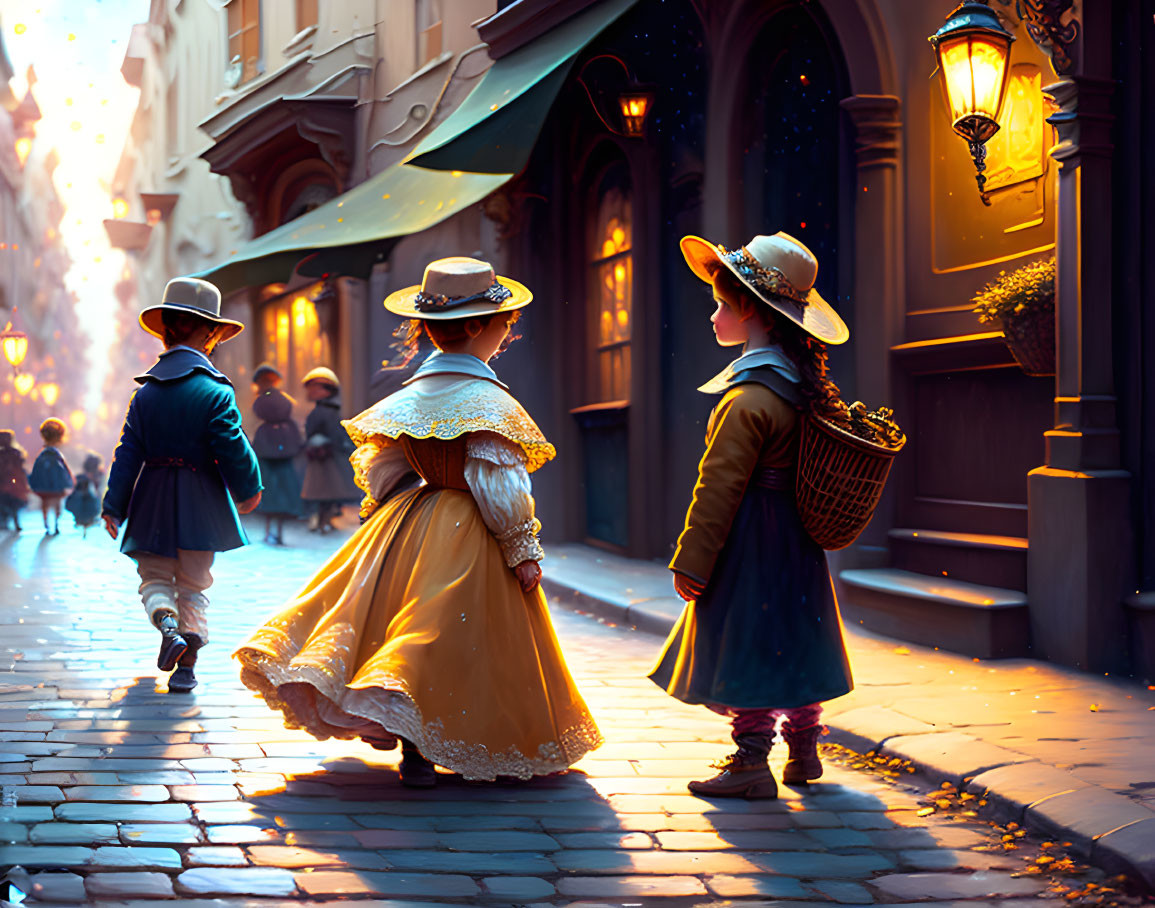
(773,478)
(178,462)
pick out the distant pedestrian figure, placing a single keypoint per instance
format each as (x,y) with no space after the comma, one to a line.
(328,473)
(181,462)
(277,441)
(760,638)
(13,480)
(94,470)
(83,504)
(50,477)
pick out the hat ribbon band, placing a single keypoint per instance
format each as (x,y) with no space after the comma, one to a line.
(766,279)
(439,302)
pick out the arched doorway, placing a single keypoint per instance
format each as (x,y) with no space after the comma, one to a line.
(793,161)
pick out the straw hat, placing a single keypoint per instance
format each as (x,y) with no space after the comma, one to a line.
(322,374)
(194,296)
(458,287)
(780,271)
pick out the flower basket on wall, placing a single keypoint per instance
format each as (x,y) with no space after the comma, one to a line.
(1023,303)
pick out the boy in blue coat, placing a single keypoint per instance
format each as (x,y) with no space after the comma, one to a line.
(182,461)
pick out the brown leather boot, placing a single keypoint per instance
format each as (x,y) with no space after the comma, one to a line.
(803,764)
(744,774)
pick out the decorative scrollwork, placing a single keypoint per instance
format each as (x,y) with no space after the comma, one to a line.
(1044,21)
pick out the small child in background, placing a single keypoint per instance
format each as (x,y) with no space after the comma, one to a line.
(13,480)
(50,477)
(84,503)
(94,470)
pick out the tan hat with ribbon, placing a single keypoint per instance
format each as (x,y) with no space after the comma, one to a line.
(458,287)
(780,271)
(194,296)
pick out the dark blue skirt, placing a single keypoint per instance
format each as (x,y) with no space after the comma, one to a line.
(766,633)
(281,496)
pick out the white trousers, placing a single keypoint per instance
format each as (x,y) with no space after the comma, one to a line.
(175,586)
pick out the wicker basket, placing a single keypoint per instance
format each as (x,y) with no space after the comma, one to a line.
(840,480)
(1031,339)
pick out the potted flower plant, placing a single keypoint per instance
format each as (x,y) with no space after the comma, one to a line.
(1024,303)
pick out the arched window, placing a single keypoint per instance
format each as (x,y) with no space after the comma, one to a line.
(611,280)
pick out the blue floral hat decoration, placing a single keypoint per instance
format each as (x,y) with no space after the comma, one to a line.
(780,271)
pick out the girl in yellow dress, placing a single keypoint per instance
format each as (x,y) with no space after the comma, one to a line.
(429,626)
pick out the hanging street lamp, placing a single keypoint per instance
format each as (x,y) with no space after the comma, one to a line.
(635,106)
(15,346)
(973,50)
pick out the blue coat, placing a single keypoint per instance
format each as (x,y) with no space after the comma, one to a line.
(181,453)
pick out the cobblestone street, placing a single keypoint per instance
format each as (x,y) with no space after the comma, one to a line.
(127,794)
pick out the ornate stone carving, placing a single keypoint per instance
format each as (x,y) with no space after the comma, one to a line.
(1054,26)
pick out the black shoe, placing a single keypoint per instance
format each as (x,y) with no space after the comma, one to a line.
(416,771)
(172,645)
(182,680)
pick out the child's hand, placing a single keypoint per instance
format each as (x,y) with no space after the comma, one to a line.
(111,524)
(528,575)
(244,507)
(686,587)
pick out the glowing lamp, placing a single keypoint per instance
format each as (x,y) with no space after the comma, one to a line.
(50,393)
(635,107)
(15,346)
(119,208)
(24,382)
(23,149)
(77,419)
(973,50)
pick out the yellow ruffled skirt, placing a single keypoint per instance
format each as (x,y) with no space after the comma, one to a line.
(416,628)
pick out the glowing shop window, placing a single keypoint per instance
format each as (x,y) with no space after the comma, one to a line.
(612,275)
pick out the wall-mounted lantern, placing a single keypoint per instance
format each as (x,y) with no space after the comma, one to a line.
(973,50)
(635,107)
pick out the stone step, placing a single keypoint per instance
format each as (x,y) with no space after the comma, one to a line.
(984,621)
(999,561)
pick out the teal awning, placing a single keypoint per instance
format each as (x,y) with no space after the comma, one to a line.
(398,201)
(496,126)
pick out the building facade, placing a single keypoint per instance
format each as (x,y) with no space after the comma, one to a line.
(364,139)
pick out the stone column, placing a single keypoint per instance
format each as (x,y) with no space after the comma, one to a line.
(1080,561)
(878,277)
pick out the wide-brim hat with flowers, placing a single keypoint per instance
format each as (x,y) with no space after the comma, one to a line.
(194,296)
(780,271)
(458,287)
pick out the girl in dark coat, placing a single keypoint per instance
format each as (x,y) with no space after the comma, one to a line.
(277,441)
(13,480)
(50,477)
(328,473)
(760,639)
(84,503)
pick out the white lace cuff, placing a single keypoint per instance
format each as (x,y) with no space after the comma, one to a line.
(496,475)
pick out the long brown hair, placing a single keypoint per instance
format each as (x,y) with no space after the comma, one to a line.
(820,395)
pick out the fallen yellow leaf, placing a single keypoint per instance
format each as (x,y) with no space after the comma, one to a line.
(902,650)
(926,812)
(1094,707)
